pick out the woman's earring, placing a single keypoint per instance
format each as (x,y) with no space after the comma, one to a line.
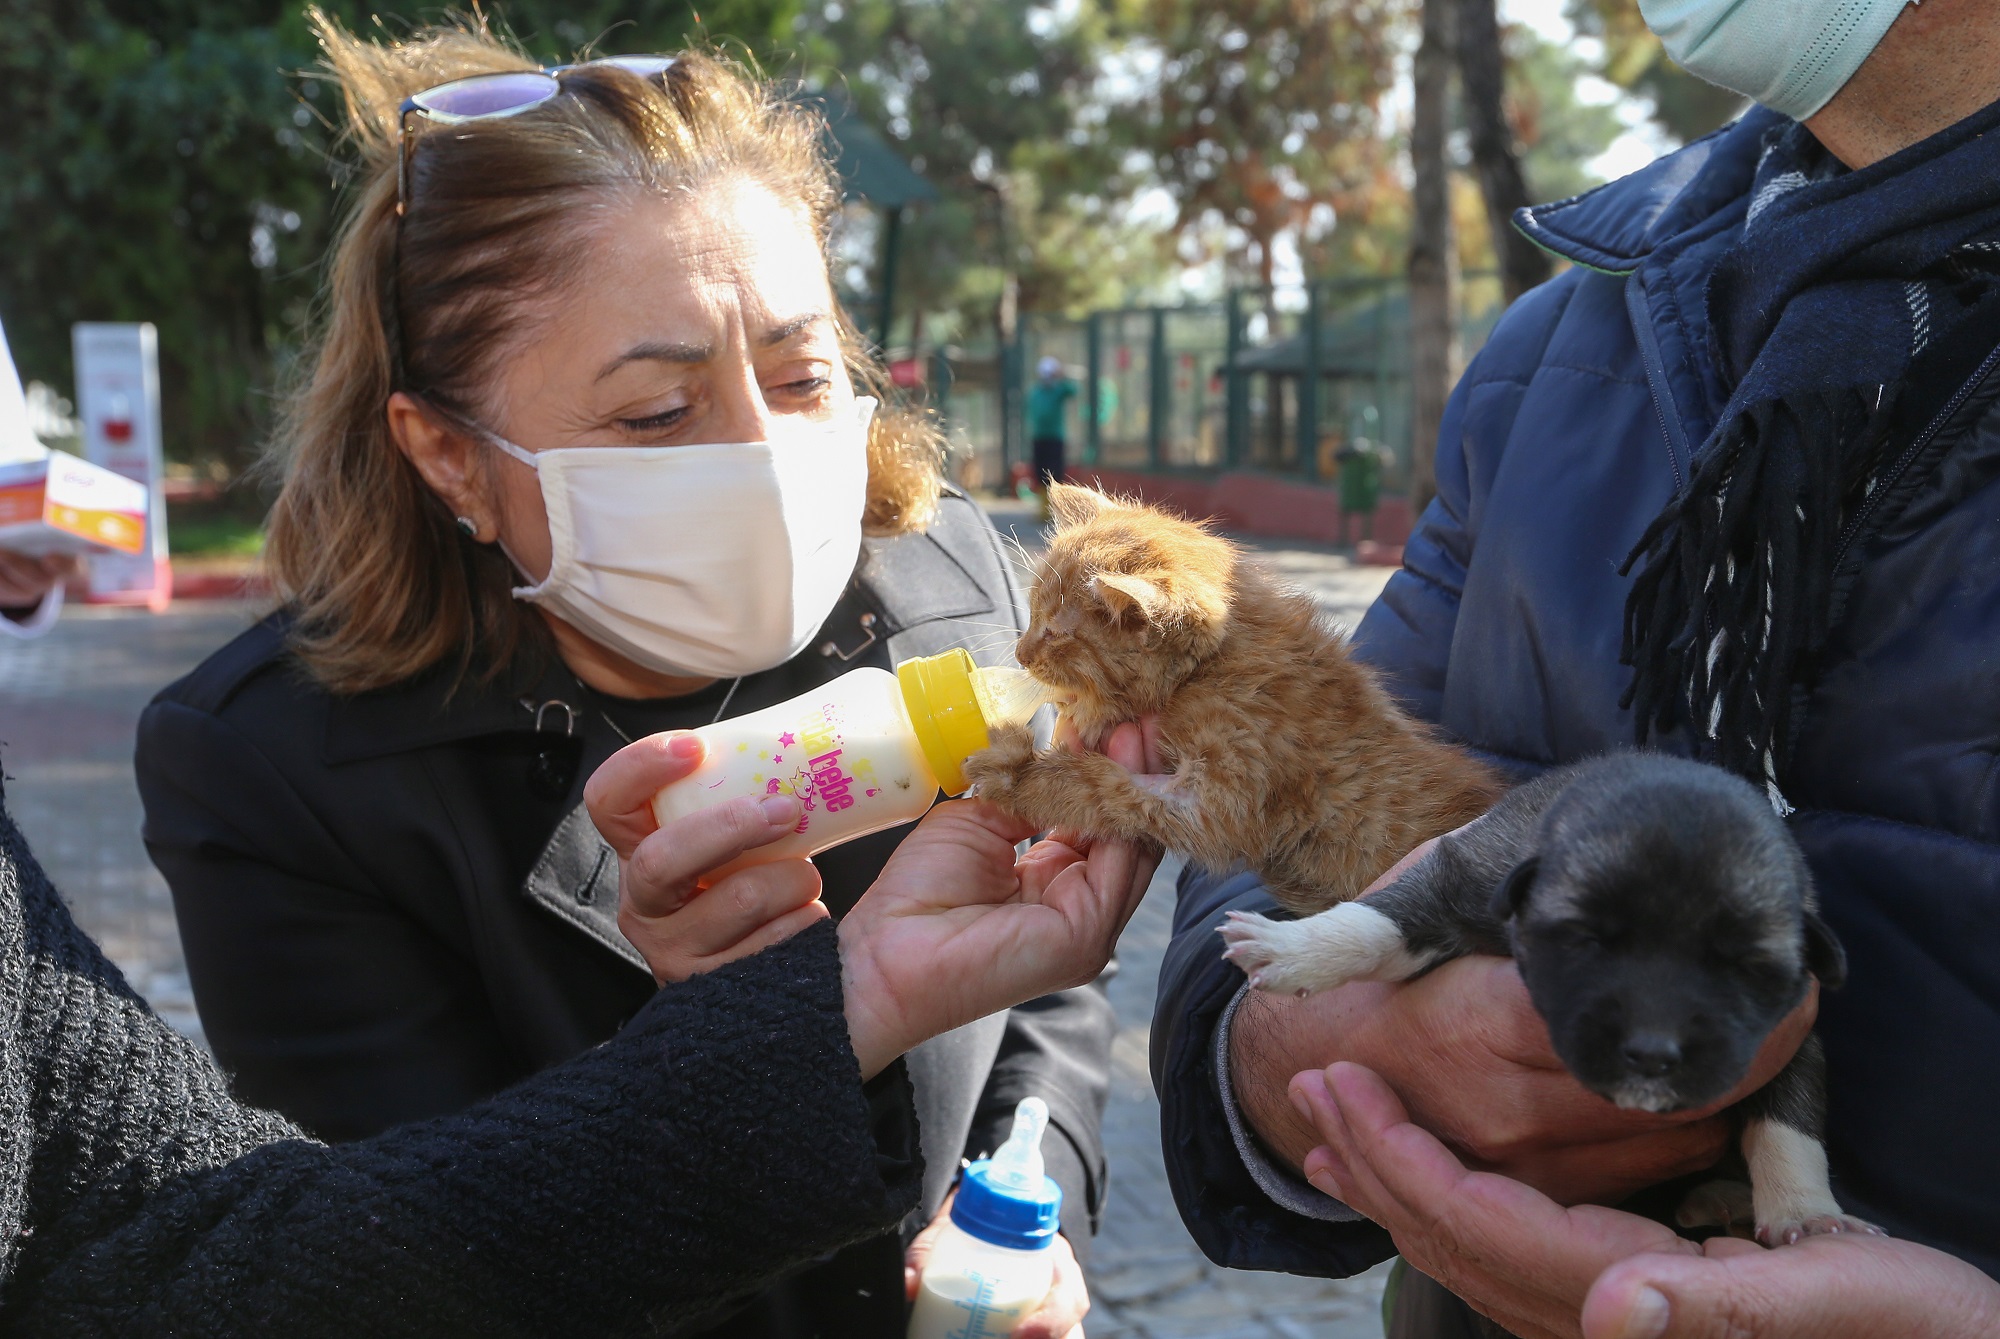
(469,528)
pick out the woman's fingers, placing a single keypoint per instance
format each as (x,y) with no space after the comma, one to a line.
(918,1253)
(712,920)
(619,795)
(1121,865)
(25,580)
(1127,748)
(741,915)
(779,930)
(1063,1310)
(661,872)
(997,821)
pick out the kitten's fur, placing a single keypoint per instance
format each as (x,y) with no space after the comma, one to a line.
(1286,754)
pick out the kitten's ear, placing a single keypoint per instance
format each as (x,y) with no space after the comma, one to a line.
(1072,504)
(1122,593)
(1513,890)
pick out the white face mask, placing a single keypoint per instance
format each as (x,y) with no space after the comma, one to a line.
(1790,55)
(713,560)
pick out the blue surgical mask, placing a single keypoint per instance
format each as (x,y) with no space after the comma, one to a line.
(1790,55)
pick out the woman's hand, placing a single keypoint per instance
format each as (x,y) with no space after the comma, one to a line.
(1060,1316)
(956,928)
(24,581)
(1546,1272)
(676,931)
(1468,1055)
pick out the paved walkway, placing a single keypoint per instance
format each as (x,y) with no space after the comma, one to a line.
(68,705)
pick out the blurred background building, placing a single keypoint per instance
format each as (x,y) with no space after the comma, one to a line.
(1204,208)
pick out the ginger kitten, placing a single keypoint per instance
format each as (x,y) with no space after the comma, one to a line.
(1286,755)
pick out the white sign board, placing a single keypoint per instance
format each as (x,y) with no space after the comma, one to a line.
(17,440)
(118,401)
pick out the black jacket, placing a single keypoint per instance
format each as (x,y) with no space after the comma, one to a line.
(137,1198)
(393,904)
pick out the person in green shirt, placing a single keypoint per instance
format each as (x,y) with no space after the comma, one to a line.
(1048,402)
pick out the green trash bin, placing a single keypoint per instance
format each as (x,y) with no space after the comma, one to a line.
(1360,482)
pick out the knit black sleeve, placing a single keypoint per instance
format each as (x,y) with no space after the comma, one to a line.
(718,1140)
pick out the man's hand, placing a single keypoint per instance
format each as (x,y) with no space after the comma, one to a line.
(1060,1316)
(1831,1287)
(1470,1058)
(24,581)
(1546,1272)
(955,928)
(1513,1253)
(679,928)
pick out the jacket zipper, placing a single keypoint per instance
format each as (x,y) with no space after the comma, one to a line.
(1656,374)
(1908,457)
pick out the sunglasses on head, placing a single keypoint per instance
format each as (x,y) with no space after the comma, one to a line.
(481,97)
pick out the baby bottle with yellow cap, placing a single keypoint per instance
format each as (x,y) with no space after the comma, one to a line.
(864,752)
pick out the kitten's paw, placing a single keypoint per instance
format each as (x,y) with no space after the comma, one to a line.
(1723,1204)
(1791,1231)
(998,770)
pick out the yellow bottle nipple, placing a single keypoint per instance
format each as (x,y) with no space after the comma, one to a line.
(954,704)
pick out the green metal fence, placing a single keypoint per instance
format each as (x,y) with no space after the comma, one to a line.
(1277,382)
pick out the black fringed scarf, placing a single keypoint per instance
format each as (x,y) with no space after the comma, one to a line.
(1839,281)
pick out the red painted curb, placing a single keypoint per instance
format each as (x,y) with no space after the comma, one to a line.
(1267,505)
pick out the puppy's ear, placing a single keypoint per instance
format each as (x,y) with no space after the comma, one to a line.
(1824,955)
(1514,889)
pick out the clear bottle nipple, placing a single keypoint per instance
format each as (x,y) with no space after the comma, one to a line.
(1009,696)
(1017,1166)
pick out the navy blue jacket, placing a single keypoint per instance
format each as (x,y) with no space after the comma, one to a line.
(1570,431)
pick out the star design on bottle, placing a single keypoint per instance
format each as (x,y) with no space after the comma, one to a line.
(787,739)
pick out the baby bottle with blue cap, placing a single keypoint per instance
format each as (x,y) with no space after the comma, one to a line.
(990,1268)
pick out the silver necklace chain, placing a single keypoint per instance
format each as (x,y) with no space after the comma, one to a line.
(727,698)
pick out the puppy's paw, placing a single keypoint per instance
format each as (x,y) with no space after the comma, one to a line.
(1270,953)
(1789,1182)
(1791,1231)
(1723,1204)
(1348,943)
(998,771)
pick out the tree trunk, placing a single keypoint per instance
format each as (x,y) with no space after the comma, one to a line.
(1434,353)
(1267,267)
(1006,333)
(1482,66)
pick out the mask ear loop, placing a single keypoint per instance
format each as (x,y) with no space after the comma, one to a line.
(525,456)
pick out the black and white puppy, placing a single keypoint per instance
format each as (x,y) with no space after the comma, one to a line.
(1664,922)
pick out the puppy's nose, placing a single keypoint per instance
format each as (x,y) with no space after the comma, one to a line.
(1651,1054)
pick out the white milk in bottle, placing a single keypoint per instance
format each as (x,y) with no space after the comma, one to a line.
(990,1267)
(866,751)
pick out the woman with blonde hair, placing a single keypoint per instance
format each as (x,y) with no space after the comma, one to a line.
(579,460)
